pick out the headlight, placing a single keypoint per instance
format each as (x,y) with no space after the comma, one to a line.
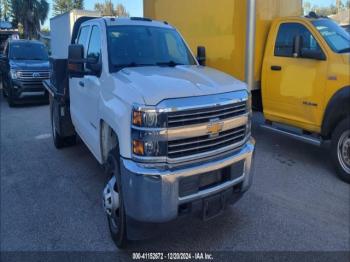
(149,148)
(14,74)
(148,118)
(147,134)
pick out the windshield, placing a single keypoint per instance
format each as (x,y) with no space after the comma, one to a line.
(28,51)
(132,46)
(336,37)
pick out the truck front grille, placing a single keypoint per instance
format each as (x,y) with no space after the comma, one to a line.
(204,115)
(34,75)
(197,145)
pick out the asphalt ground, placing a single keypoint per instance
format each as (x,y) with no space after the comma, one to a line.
(51,199)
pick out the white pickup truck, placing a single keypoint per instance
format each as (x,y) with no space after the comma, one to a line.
(174,136)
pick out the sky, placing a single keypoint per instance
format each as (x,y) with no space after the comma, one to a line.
(134,7)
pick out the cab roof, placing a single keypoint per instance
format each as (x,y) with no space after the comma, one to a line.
(113,21)
(25,41)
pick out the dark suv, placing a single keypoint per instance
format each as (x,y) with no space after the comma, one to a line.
(24,65)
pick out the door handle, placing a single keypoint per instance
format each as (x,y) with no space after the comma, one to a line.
(276,68)
(81,83)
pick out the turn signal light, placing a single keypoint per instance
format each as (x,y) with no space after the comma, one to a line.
(137,118)
(138,147)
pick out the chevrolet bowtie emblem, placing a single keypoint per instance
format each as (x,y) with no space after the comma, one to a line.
(215,128)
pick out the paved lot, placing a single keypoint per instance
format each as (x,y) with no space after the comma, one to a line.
(50,199)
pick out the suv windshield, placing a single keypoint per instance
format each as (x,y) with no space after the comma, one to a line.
(336,37)
(28,51)
(132,46)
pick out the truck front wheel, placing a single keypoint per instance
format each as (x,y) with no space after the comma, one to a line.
(341,149)
(113,201)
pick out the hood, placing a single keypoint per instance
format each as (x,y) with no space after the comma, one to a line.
(155,84)
(29,65)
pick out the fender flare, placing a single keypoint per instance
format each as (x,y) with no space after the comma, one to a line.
(337,109)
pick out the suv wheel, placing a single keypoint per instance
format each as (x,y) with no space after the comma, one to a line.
(4,94)
(341,149)
(10,98)
(113,201)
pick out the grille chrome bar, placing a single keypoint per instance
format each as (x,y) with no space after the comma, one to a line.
(34,74)
(214,110)
(220,116)
(176,119)
(202,129)
(192,146)
(179,144)
(206,146)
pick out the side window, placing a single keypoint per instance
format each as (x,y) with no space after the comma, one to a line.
(83,35)
(94,49)
(285,39)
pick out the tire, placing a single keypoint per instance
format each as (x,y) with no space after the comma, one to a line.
(117,221)
(4,94)
(57,139)
(10,98)
(340,149)
(2,86)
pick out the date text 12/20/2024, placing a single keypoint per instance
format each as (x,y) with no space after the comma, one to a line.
(172,256)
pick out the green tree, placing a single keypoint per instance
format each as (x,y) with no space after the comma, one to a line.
(326,11)
(78,4)
(120,11)
(62,6)
(5,9)
(107,9)
(30,14)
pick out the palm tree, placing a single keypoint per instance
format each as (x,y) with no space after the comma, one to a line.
(30,13)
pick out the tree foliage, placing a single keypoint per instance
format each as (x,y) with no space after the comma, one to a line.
(62,6)
(107,9)
(30,14)
(326,10)
(5,10)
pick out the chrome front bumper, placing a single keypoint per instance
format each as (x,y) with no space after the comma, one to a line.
(152,195)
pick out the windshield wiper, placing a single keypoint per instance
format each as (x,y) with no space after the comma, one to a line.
(345,50)
(169,63)
(132,64)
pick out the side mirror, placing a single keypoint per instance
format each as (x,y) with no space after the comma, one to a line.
(313,54)
(76,61)
(201,56)
(297,46)
(94,64)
